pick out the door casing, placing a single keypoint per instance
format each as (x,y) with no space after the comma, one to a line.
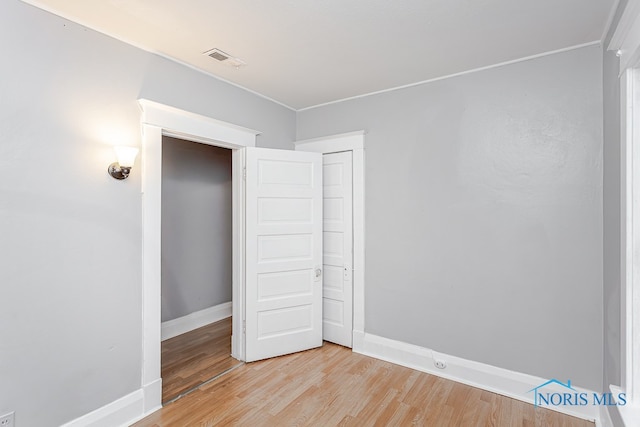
(160,120)
(354,142)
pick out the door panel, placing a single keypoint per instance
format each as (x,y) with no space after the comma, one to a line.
(338,248)
(283,227)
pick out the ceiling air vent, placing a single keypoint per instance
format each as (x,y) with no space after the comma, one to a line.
(225,58)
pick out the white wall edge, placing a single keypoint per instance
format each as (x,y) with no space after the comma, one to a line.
(630,237)
(359,242)
(237,292)
(626,37)
(486,377)
(625,24)
(198,319)
(604,418)
(629,413)
(121,412)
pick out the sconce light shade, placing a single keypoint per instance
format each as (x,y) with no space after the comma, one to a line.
(126,157)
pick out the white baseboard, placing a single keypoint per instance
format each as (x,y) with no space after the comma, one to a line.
(125,411)
(137,405)
(497,380)
(152,396)
(181,325)
(121,412)
(604,418)
(629,413)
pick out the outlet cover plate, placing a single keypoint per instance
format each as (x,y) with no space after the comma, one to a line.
(7,420)
(440,364)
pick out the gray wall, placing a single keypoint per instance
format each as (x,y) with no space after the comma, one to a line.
(612,183)
(484,213)
(70,235)
(494,196)
(196,227)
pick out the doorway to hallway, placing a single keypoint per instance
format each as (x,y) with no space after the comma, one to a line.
(196,263)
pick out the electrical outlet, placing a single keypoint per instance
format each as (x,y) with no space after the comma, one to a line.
(440,364)
(7,420)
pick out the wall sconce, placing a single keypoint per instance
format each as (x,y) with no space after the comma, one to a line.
(126,157)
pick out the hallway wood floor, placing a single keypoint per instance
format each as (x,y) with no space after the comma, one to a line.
(191,359)
(331,386)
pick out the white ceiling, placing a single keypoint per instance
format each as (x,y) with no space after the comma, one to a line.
(303,53)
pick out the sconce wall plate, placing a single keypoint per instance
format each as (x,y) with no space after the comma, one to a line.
(117,171)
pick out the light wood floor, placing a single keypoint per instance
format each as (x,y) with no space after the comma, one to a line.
(331,386)
(191,359)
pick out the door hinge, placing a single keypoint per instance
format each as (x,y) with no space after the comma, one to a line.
(244,326)
(244,173)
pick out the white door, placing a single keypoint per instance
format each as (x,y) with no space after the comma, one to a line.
(283,252)
(337,284)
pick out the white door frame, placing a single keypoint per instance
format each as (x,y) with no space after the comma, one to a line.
(160,120)
(626,42)
(354,142)
(630,242)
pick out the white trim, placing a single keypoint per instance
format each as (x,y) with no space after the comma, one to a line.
(626,37)
(173,328)
(633,286)
(630,234)
(121,412)
(352,141)
(238,243)
(629,413)
(625,24)
(604,418)
(152,397)
(185,124)
(625,220)
(462,73)
(496,380)
(333,144)
(359,247)
(632,268)
(151,158)
(159,120)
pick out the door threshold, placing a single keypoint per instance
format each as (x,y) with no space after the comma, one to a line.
(198,386)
